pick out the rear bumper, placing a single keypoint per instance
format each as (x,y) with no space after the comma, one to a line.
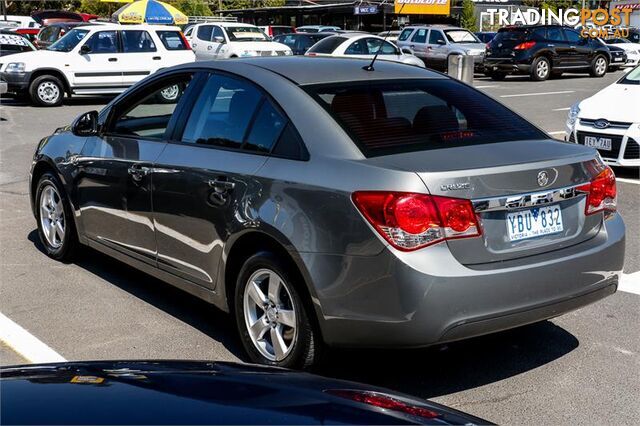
(16,82)
(4,88)
(509,65)
(427,297)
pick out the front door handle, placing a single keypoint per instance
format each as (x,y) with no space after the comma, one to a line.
(221,184)
(157,58)
(113,59)
(138,171)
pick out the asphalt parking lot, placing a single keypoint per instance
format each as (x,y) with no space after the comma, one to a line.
(581,368)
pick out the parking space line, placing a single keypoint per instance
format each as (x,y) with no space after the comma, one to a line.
(25,343)
(538,94)
(559,132)
(486,87)
(562,109)
(625,180)
(630,283)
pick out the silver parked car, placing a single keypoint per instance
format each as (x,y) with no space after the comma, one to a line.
(324,202)
(434,44)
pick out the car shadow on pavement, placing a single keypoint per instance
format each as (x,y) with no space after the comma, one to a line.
(189,309)
(459,366)
(426,373)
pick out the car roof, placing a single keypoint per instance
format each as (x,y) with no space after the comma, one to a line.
(112,26)
(232,24)
(305,70)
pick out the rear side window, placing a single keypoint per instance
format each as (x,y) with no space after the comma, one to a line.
(555,34)
(405,34)
(266,128)
(420,36)
(137,41)
(172,40)
(396,117)
(327,45)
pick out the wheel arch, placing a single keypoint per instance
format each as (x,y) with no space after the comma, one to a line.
(54,72)
(254,241)
(42,166)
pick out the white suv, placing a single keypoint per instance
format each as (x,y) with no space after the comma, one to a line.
(223,40)
(94,59)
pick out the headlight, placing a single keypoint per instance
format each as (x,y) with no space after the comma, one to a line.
(288,52)
(15,67)
(573,113)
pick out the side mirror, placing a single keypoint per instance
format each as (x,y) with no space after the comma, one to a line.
(218,39)
(86,124)
(441,41)
(407,51)
(84,49)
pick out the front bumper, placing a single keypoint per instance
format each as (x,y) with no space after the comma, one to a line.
(4,88)
(626,146)
(427,297)
(16,82)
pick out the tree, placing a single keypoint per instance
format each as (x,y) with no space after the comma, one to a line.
(468,16)
(191,7)
(96,7)
(247,4)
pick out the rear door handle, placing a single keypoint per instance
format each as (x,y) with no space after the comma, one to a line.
(113,59)
(157,58)
(138,171)
(222,184)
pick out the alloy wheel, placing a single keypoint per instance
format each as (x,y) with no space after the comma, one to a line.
(270,315)
(601,66)
(48,92)
(52,218)
(542,69)
(170,93)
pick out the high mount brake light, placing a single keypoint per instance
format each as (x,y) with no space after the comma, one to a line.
(386,402)
(410,221)
(525,46)
(601,192)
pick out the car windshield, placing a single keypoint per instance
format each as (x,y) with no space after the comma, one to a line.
(246,34)
(461,36)
(632,77)
(397,117)
(617,41)
(69,40)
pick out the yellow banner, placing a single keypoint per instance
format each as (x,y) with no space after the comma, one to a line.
(423,7)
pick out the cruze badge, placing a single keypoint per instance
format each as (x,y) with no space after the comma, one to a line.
(543,178)
(455,186)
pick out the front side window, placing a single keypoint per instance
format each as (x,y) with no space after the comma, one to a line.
(396,117)
(103,42)
(358,47)
(436,37)
(374,44)
(137,41)
(222,113)
(217,32)
(554,34)
(69,41)
(205,32)
(149,118)
(405,34)
(572,36)
(420,36)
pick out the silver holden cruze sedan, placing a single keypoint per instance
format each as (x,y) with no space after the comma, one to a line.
(321,201)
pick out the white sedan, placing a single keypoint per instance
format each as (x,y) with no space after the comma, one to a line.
(609,121)
(631,49)
(358,45)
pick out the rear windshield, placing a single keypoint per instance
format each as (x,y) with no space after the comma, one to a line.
(396,117)
(328,45)
(275,31)
(510,34)
(172,40)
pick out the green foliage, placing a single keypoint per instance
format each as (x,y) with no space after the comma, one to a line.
(467,16)
(97,7)
(191,7)
(247,4)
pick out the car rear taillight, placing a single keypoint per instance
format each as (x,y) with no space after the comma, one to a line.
(601,192)
(410,221)
(386,402)
(185,41)
(525,46)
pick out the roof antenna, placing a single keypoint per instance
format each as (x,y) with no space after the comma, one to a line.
(370,66)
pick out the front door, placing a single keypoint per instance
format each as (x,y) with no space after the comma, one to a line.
(204,43)
(562,56)
(99,66)
(115,176)
(203,182)
(437,48)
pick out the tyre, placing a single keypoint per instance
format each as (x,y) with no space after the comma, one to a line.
(599,66)
(497,76)
(272,318)
(56,227)
(540,69)
(170,95)
(47,91)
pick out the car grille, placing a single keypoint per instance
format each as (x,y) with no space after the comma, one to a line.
(281,52)
(632,152)
(612,124)
(616,141)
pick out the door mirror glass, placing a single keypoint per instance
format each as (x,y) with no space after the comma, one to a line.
(86,124)
(218,39)
(84,49)
(407,51)
(441,41)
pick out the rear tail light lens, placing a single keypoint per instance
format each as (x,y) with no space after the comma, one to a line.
(410,221)
(185,41)
(386,402)
(525,46)
(601,192)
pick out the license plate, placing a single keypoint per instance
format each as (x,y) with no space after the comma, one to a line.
(598,143)
(617,59)
(534,222)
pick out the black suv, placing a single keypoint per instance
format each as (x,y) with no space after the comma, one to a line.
(543,51)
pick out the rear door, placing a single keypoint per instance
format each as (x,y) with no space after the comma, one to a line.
(204,177)
(140,56)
